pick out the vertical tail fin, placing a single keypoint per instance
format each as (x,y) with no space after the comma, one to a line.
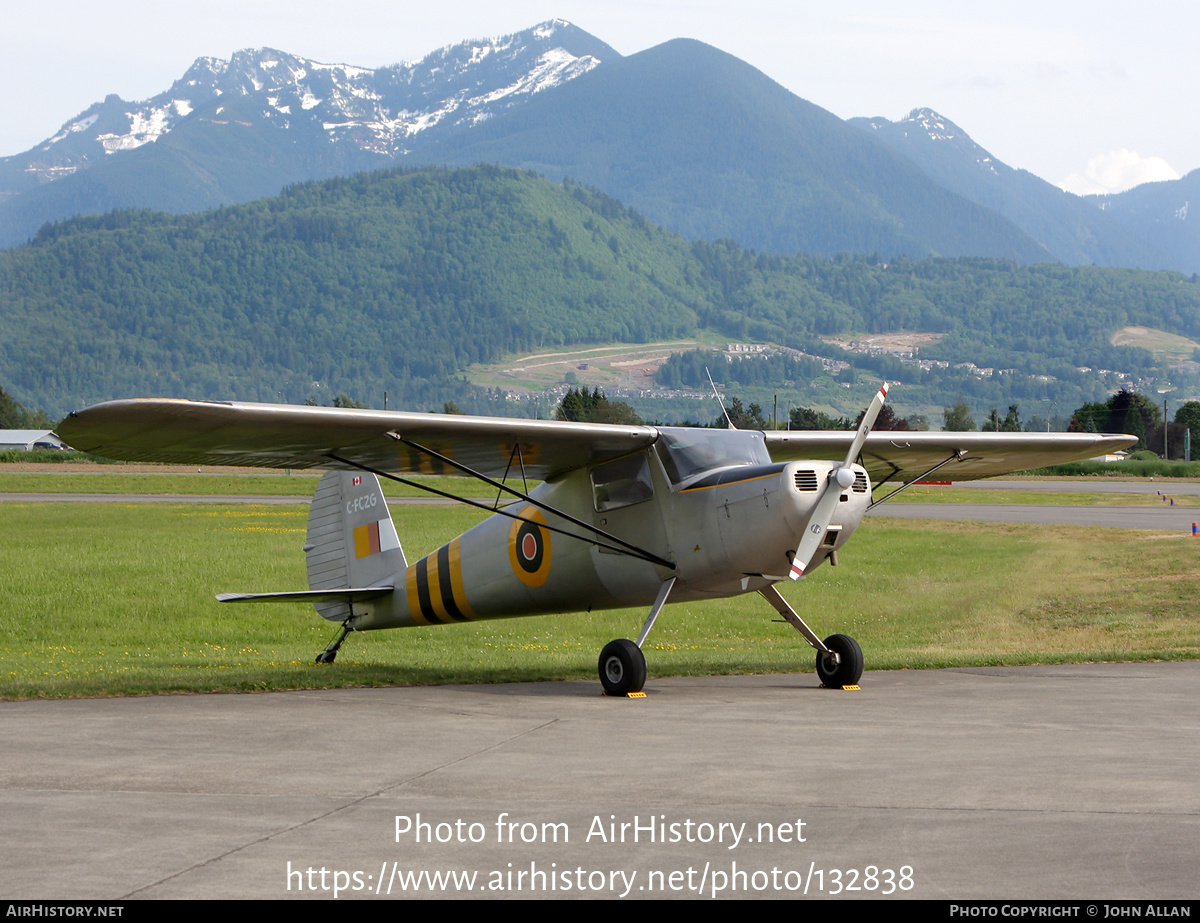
(352,541)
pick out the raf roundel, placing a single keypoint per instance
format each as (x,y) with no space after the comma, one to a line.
(529,547)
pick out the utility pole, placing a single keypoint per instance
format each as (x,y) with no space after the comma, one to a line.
(1166,448)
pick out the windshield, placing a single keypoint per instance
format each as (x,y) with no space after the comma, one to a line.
(688,452)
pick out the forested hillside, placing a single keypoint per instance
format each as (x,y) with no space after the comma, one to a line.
(993,311)
(397,281)
(389,281)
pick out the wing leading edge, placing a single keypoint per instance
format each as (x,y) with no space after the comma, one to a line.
(902,456)
(287,436)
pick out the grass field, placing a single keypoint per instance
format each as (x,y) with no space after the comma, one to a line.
(104,599)
(297,484)
(1064,497)
(302,484)
(1167,348)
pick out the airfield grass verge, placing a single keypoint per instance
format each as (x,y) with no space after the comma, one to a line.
(301,484)
(1129,468)
(50,457)
(298,484)
(1065,497)
(117,599)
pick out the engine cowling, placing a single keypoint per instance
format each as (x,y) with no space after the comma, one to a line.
(762,519)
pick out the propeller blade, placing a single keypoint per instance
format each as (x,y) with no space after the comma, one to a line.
(817,524)
(868,420)
(840,479)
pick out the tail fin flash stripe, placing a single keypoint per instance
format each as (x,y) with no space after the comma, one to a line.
(366,540)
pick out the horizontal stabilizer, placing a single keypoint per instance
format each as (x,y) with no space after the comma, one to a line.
(346,595)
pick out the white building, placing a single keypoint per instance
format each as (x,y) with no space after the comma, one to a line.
(30,439)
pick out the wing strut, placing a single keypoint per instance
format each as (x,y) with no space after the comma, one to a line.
(636,551)
(632,551)
(958,453)
(520,457)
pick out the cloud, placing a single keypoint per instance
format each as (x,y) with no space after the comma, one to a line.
(1117,171)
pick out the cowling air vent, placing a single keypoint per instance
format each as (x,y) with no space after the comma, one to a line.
(860,482)
(806,479)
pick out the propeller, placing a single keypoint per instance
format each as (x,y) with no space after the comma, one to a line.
(840,479)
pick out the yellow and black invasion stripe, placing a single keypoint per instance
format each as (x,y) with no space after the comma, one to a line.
(435,588)
(414,461)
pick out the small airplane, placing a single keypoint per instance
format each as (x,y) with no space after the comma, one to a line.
(625,515)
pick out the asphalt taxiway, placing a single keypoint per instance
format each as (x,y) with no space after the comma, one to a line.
(1072,781)
(1031,782)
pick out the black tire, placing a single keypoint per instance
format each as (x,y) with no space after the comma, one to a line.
(846,673)
(622,667)
(326,657)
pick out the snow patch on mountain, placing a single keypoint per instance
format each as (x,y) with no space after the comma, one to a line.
(75,127)
(547,29)
(375,110)
(144,126)
(935,126)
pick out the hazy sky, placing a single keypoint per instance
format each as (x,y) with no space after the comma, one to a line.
(1088,95)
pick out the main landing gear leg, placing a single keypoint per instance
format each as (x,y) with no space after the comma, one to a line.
(330,653)
(622,663)
(839,658)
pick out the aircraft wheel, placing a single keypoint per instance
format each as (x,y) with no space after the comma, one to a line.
(326,656)
(622,667)
(848,671)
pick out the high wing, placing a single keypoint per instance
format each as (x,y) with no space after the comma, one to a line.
(904,456)
(286,436)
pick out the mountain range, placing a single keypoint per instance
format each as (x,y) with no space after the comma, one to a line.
(235,130)
(691,137)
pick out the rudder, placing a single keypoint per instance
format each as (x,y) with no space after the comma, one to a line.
(352,541)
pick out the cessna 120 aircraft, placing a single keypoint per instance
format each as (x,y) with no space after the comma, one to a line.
(625,516)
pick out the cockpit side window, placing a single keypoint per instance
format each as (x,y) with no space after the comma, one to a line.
(622,483)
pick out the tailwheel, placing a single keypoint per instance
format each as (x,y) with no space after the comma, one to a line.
(330,653)
(844,670)
(622,667)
